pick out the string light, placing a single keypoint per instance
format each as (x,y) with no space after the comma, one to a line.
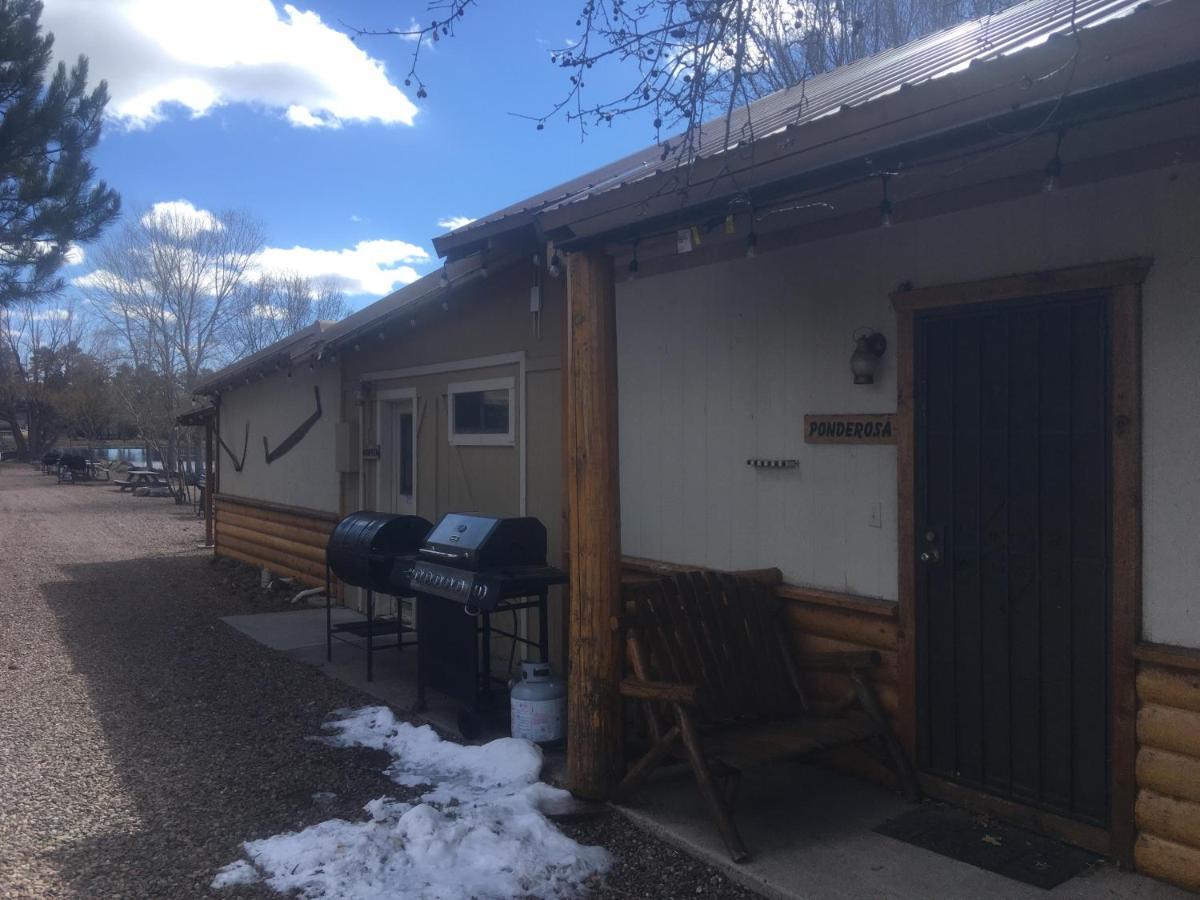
(555,267)
(1053,169)
(885,208)
(752,243)
(444,280)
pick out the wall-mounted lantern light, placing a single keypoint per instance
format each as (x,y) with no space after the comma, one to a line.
(869,347)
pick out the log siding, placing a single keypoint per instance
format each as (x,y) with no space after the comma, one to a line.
(287,540)
(1167,812)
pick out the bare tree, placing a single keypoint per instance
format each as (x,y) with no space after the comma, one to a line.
(278,305)
(165,282)
(683,62)
(164,286)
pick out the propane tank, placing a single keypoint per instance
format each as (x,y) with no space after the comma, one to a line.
(539,704)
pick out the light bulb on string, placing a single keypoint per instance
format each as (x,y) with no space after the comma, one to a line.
(885,207)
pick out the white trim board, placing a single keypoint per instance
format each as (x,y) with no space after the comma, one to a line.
(479,362)
(507,439)
(380,398)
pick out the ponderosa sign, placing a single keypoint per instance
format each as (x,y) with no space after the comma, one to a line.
(850,429)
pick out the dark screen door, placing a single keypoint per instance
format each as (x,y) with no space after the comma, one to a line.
(1012,465)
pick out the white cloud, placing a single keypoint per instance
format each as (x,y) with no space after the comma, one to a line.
(203,54)
(73,257)
(452,222)
(183,212)
(375,267)
(266,311)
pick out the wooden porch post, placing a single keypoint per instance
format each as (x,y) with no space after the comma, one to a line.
(594,751)
(209,484)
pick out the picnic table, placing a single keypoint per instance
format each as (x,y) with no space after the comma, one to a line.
(136,478)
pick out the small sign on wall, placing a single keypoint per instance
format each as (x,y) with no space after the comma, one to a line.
(850,429)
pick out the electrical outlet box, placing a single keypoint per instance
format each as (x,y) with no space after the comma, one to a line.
(875,519)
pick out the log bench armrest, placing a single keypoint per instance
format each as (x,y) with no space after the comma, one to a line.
(666,691)
(849,659)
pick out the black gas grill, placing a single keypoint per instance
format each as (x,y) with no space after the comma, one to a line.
(475,560)
(481,566)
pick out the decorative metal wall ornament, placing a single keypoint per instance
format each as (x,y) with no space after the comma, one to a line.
(237,463)
(296,436)
(773,463)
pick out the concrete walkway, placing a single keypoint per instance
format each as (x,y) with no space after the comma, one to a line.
(810,833)
(300,634)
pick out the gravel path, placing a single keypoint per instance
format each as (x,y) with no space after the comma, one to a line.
(142,740)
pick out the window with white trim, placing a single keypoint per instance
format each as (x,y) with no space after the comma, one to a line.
(482,412)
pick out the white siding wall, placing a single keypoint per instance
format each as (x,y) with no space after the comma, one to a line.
(274,406)
(721,363)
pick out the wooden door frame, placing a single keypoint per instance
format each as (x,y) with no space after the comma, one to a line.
(1120,283)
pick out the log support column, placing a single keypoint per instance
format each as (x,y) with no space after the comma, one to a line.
(594,751)
(210,483)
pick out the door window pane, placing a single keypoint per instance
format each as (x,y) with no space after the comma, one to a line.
(406,454)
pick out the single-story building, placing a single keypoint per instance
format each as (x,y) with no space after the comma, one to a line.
(921,339)
(274,489)
(451,393)
(444,396)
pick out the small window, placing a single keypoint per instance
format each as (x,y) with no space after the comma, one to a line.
(481,412)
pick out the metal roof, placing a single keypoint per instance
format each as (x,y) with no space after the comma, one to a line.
(408,299)
(934,56)
(294,347)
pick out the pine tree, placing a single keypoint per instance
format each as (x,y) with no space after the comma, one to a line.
(49,198)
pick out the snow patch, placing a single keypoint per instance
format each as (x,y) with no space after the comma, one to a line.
(478,831)
(237,872)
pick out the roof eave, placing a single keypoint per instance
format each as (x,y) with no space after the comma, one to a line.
(1141,46)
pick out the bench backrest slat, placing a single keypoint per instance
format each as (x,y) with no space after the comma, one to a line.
(720,632)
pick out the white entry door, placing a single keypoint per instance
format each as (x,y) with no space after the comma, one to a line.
(397,430)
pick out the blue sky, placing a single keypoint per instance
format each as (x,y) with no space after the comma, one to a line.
(265,107)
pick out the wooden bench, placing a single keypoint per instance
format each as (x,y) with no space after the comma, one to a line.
(713,667)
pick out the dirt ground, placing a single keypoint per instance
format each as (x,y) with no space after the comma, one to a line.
(142,740)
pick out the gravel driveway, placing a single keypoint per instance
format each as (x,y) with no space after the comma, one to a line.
(142,740)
